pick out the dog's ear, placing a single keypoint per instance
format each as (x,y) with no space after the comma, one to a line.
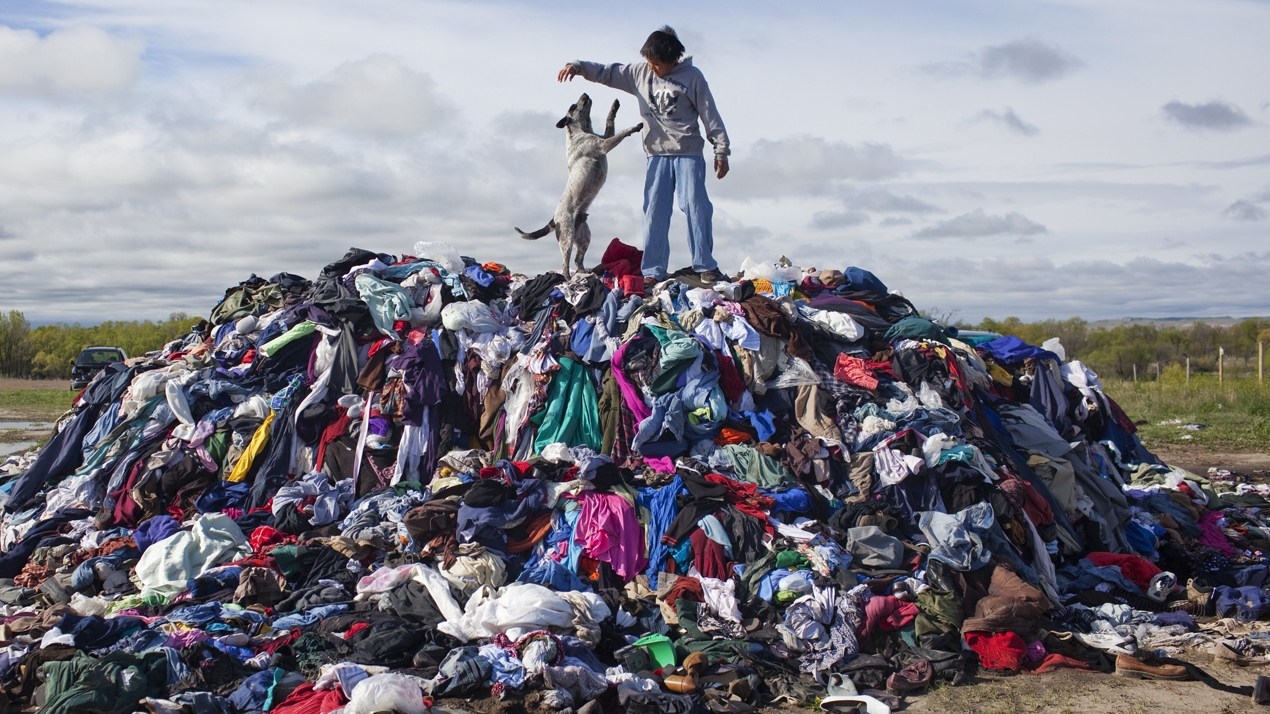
(563,122)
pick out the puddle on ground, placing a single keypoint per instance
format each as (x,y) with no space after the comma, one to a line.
(25,425)
(16,447)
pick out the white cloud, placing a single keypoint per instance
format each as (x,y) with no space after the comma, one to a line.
(72,63)
(233,148)
(807,166)
(1094,289)
(977,224)
(378,96)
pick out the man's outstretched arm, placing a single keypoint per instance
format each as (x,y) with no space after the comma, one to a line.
(617,76)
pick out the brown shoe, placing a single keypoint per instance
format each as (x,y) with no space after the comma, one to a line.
(1150,668)
(910,679)
(694,665)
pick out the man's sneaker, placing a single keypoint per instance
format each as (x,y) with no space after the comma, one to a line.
(713,276)
(1201,593)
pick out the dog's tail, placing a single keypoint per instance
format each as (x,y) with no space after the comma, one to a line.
(551,226)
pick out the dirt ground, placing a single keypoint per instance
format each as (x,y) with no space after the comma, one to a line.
(1229,690)
(1197,459)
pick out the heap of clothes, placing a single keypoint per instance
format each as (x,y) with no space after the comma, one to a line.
(421,476)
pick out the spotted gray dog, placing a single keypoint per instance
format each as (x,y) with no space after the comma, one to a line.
(587,154)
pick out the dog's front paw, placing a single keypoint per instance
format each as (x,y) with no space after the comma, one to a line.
(639,126)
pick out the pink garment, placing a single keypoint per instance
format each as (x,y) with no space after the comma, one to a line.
(854,370)
(185,638)
(1211,535)
(608,530)
(663,464)
(886,613)
(629,393)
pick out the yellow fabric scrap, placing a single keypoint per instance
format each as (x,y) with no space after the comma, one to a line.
(1000,376)
(254,448)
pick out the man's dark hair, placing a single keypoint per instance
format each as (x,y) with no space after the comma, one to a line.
(663,46)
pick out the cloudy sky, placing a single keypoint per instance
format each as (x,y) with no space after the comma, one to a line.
(1041,159)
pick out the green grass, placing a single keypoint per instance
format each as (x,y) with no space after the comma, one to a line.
(1237,411)
(35,404)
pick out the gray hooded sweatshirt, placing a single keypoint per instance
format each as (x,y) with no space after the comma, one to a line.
(669,106)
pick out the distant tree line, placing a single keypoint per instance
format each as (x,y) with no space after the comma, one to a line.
(1114,352)
(49,352)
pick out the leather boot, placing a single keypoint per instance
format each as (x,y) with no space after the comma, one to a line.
(694,665)
(1149,667)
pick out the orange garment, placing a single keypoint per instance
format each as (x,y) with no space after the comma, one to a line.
(731,436)
(538,528)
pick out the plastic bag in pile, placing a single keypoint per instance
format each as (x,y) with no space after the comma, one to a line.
(387,692)
(754,270)
(440,252)
(797,374)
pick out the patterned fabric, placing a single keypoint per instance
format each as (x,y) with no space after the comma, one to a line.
(279,401)
(836,387)
(517,648)
(842,634)
(725,629)
(1074,619)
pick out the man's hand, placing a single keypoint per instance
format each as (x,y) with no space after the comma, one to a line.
(721,167)
(567,74)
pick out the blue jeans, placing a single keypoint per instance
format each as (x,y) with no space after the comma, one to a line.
(685,177)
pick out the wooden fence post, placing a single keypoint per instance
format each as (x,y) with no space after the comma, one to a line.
(1188,369)
(1261,362)
(1221,354)
(1135,372)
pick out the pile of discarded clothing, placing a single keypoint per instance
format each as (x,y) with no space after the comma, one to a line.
(421,476)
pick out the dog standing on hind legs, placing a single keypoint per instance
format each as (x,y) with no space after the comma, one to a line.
(587,155)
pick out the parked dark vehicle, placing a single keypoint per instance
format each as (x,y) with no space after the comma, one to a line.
(92,360)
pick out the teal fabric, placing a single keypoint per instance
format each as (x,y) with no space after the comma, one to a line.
(750,465)
(916,328)
(387,301)
(572,416)
(678,352)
